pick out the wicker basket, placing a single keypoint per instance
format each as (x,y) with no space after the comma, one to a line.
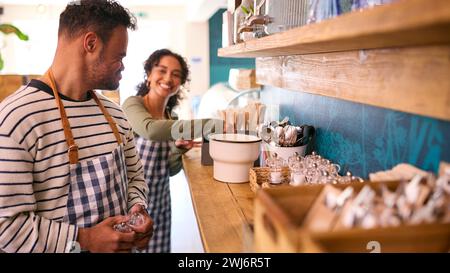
(259,177)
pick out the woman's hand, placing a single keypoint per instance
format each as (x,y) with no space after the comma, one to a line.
(184,144)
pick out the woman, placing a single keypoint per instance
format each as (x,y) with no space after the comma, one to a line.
(150,116)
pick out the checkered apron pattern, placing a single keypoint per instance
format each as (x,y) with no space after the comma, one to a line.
(98,189)
(155,160)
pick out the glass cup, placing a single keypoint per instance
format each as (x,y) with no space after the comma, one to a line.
(136,219)
(275,165)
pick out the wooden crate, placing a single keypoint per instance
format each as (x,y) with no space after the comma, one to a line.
(279,215)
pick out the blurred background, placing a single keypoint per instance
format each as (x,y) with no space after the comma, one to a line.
(191,28)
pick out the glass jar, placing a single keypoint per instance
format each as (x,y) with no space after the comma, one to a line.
(134,220)
(293,158)
(297,170)
(275,165)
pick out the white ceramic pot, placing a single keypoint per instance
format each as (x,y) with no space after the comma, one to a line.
(233,155)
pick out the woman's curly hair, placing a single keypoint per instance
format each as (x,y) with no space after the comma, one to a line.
(153,61)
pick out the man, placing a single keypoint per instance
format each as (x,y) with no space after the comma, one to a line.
(69,170)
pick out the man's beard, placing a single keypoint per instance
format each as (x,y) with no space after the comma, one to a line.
(101,78)
(107,82)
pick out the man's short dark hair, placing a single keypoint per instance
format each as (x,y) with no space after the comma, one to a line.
(99,16)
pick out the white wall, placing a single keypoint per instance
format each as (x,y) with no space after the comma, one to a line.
(41,25)
(197,51)
(158,27)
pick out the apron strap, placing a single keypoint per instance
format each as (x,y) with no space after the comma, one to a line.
(108,117)
(73,147)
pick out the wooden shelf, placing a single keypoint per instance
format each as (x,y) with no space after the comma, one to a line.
(394,56)
(411,79)
(404,23)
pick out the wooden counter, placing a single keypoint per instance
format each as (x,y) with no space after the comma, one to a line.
(224,211)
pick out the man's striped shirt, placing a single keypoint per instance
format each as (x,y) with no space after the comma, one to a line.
(34,164)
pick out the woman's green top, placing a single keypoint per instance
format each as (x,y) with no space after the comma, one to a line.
(159,129)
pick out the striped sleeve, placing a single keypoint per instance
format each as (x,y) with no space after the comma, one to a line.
(137,187)
(21,229)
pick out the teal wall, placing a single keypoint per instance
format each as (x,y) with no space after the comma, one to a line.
(220,67)
(362,138)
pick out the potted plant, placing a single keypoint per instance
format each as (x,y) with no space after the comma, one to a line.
(8,29)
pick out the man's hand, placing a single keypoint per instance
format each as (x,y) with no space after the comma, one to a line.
(144,232)
(103,238)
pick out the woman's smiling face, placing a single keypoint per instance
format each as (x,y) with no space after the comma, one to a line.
(165,78)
